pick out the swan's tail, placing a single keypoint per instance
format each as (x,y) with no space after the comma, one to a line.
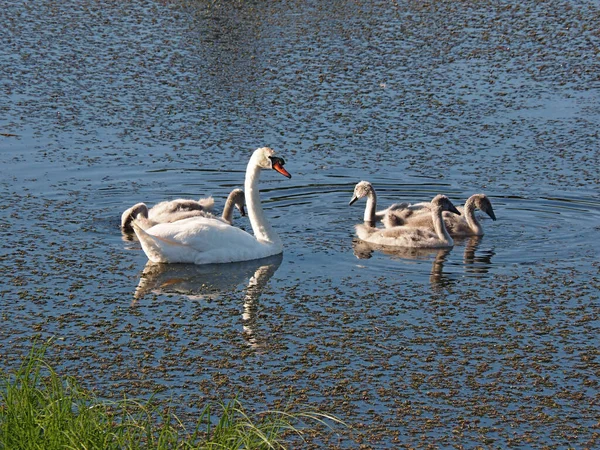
(157,249)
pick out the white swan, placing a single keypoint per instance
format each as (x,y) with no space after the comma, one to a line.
(167,211)
(202,240)
(365,189)
(146,219)
(408,236)
(466,224)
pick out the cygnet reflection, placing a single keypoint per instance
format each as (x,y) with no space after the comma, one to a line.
(364,250)
(476,260)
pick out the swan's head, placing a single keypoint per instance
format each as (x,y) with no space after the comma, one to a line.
(483,203)
(139,209)
(265,158)
(361,190)
(443,202)
(239,200)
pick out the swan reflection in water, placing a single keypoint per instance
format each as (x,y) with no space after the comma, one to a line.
(475,262)
(211,281)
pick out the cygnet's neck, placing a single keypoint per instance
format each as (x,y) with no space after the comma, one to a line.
(469,212)
(262,229)
(438,224)
(370,208)
(227,214)
(144,223)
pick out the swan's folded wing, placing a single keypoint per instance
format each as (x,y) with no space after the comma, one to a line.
(139,230)
(161,249)
(200,240)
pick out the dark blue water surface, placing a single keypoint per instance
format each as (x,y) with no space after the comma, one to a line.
(491,344)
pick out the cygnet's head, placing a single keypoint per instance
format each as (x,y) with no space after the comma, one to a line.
(139,209)
(237,197)
(362,189)
(265,158)
(443,202)
(483,203)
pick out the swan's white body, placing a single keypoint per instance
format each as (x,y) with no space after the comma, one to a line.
(466,224)
(202,240)
(415,237)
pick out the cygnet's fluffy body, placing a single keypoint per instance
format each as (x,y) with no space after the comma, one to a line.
(180,209)
(413,236)
(161,211)
(466,224)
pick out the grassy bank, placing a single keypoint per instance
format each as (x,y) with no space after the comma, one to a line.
(41,410)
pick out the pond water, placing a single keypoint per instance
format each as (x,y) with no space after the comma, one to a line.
(493,343)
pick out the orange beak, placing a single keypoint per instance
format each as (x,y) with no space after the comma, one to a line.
(279,168)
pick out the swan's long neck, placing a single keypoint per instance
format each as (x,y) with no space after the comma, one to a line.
(370,208)
(469,212)
(262,229)
(439,226)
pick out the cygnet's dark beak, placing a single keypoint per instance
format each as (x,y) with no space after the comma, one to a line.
(353,200)
(242,211)
(452,208)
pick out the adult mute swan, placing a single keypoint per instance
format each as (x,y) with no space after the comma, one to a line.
(365,189)
(203,240)
(416,237)
(466,224)
(146,219)
(167,211)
